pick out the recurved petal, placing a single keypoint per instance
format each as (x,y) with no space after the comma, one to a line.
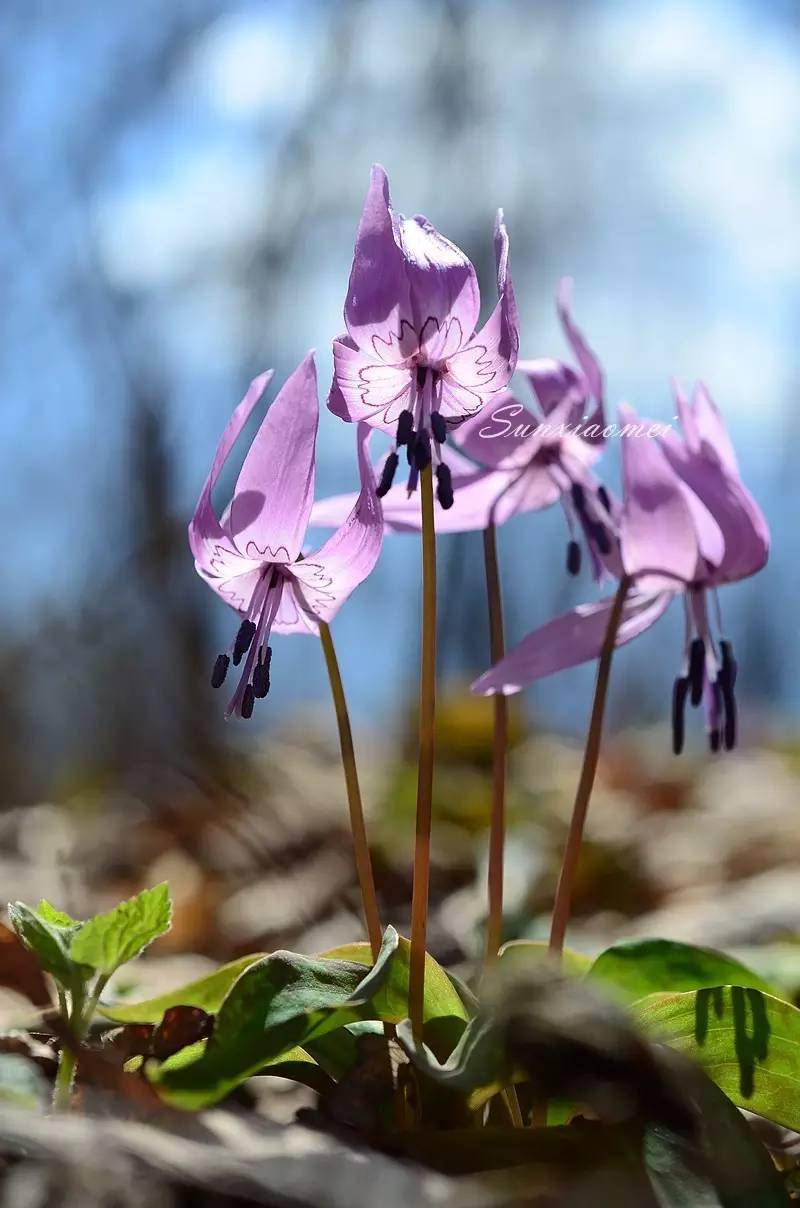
(366,389)
(711,428)
(658,537)
(275,489)
(571,639)
(587,360)
(328,577)
(208,538)
(445,301)
(377,310)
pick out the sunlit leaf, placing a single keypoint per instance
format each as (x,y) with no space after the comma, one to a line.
(524,952)
(49,941)
(208,993)
(746,1041)
(110,940)
(635,968)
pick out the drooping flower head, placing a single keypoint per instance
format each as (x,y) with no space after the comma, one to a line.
(520,461)
(412,362)
(252,555)
(688,526)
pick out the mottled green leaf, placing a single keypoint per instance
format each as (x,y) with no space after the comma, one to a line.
(746,1041)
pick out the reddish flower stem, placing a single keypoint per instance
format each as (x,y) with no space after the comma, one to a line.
(427,711)
(497,823)
(358,828)
(566,881)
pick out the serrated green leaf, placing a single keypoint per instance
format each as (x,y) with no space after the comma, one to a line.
(636,968)
(748,1043)
(49,941)
(110,940)
(278,1004)
(206,992)
(22,1083)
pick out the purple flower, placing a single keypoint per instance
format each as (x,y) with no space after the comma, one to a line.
(411,362)
(688,526)
(251,556)
(526,461)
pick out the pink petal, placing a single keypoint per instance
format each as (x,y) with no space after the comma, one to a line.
(657,532)
(567,641)
(444,288)
(377,309)
(552,381)
(711,428)
(501,434)
(587,360)
(292,615)
(366,389)
(275,489)
(208,539)
(329,576)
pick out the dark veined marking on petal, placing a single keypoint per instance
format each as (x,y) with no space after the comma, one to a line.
(220,670)
(679,691)
(573,558)
(697,662)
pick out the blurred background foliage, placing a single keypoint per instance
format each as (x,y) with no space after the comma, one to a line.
(181,186)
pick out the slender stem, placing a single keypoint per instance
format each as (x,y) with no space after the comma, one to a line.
(497,824)
(427,710)
(357,825)
(566,880)
(62,1091)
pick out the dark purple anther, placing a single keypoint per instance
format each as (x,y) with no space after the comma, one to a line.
(422,450)
(243,639)
(679,690)
(248,700)
(602,495)
(438,427)
(220,670)
(444,486)
(387,475)
(405,427)
(573,558)
(697,663)
(578,496)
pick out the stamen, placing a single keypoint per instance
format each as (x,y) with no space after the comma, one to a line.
(411,445)
(726,680)
(422,450)
(573,558)
(261,678)
(220,670)
(697,661)
(248,700)
(422,373)
(714,741)
(444,486)
(438,427)
(603,496)
(405,427)
(679,690)
(387,474)
(578,496)
(600,537)
(715,708)
(243,639)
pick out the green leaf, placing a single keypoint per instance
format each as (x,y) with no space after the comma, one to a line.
(477,1067)
(441,996)
(637,968)
(22,1083)
(59,918)
(50,942)
(206,992)
(110,940)
(278,1004)
(527,951)
(746,1041)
